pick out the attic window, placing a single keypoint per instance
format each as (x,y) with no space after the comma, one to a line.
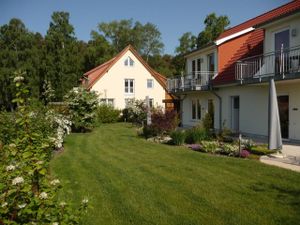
(128,61)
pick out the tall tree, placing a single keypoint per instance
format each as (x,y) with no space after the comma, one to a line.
(214,26)
(19,50)
(145,38)
(63,62)
(98,50)
(187,42)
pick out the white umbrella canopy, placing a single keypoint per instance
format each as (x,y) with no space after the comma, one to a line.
(275,140)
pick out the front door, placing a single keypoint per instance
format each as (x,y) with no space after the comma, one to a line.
(282,43)
(235,113)
(283,107)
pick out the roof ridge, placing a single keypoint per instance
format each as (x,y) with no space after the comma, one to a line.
(259,16)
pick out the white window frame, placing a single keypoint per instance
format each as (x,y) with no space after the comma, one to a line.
(129,62)
(127,86)
(151,82)
(198,109)
(107,101)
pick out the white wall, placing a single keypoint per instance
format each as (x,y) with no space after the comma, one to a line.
(203,55)
(186,108)
(292,22)
(254,107)
(113,83)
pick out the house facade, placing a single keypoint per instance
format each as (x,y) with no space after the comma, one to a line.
(124,77)
(247,57)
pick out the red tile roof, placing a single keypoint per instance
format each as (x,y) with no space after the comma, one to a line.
(95,74)
(270,15)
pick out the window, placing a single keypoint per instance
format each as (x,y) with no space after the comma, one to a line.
(151,102)
(193,67)
(150,83)
(196,109)
(129,86)
(211,62)
(128,62)
(107,101)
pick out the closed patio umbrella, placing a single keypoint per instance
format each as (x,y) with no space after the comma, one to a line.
(275,140)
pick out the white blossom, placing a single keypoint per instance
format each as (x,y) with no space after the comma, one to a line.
(18,79)
(55,223)
(55,182)
(10,168)
(4,204)
(12,145)
(22,205)
(43,195)
(85,201)
(18,180)
(63,204)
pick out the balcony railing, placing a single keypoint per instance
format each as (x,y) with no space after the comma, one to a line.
(278,64)
(198,80)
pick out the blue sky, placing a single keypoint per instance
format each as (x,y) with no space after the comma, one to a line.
(173,18)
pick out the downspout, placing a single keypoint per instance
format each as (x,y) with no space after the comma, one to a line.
(181,108)
(220,107)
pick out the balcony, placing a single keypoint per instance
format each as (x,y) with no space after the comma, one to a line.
(284,64)
(196,81)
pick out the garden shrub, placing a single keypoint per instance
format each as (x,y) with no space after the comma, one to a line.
(248,144)
(261,150)
(28,195)
(178,137)
(7,127)
(107,114)
(135,112)
(149,131)
(196,135)
(164,122)
(207,122)
(229,149)
(245,153)
(82,108)
(209,146)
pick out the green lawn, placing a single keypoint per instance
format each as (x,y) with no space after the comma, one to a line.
(131,181)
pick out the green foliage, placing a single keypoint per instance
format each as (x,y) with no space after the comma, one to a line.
(7,127)
(187,43)
(28,194)
(82,108)
(207,122)
(209,146)
(145,38)
(214,26)
(261,150)
(229,149)
(196,135)
(107,114)
(178,137)
(163,122)
(135,112)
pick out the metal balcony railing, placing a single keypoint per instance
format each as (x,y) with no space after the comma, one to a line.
(280,63)
(197,80)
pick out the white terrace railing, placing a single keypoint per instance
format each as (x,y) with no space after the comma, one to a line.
(197,80)
(281,63)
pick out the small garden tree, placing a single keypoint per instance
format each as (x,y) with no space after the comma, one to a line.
(82,108)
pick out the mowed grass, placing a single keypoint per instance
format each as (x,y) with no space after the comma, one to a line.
(131,181)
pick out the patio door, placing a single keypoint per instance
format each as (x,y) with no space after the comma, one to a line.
(282,43)
(283,107)
(235,113)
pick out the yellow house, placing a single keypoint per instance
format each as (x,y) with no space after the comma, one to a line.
(126,76)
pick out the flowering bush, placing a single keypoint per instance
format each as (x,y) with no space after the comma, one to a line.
(27,192)
(60,125)
(135,111)
(209,146)
(229,149)
(82,108)
(244,153)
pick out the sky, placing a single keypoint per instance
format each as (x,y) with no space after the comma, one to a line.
(173,18)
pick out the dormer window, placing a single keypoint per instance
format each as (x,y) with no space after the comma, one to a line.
(128,61)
